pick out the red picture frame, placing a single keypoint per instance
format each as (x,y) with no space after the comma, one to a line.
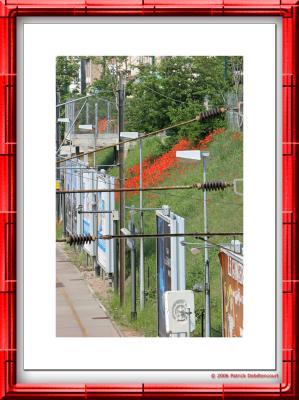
(9,11)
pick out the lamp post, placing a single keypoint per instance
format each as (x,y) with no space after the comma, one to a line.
(135,135)
(198,155)
(205,155)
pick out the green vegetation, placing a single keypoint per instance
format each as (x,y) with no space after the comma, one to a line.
(58,230)
(170,91)
(67,69)
(225,211)
(175,90)
(105,157)
(77,256)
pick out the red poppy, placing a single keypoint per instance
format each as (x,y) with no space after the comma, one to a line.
(156,171)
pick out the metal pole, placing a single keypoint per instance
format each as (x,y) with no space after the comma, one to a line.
(83,76)
(133,267)
(141,269)
(87,113)
(95,133)
(207,264)
(108,117)
(94,206)
(96,267)
(58,140)
(63,208)
(115,250)
(81,217)
(72,118)
(189,322)
(122,246)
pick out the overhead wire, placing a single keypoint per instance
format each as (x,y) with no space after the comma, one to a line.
(127,140)
(181,197)
(200,117)
(83,238)
(220,245)
(101,178)
(163,95)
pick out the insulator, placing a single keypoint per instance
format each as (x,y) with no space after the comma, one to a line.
(79,239)
(210,113)
(90,239)
(213,186)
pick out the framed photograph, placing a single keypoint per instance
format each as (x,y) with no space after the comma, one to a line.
(148,199)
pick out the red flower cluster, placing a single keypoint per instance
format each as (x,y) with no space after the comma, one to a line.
(135,170)
(157,171)
(203,143)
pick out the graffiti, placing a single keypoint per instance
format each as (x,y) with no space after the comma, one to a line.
(232,294)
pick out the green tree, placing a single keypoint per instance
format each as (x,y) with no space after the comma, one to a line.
(67,69)
(175,90)
(111,67)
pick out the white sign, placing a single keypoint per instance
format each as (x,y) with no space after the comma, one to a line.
(190,154)
(129,135)
(105,202)
(86,127)
(66,120)
(179,311)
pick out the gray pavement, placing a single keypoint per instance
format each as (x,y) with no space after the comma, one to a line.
(78,312)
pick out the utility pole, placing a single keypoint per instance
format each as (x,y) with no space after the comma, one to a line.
(225,67)
(83,76)
(94,203)
(116,252)
(58,141)
(122,244)
(58,135)
(141,269)
(95,133)
(132,247)
(87,113)
(205,155)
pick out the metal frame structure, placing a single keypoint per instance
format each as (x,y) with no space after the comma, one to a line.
(177,257)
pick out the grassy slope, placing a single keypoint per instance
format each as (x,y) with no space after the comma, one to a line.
(225,214)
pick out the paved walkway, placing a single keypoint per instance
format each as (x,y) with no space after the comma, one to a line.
(78,312)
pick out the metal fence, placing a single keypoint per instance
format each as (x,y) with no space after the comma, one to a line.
(89,213)
(94,110)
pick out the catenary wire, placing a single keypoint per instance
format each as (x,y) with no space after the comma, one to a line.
(201,116)
(193,197)
(163,95)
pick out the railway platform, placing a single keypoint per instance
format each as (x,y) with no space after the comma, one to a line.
(78,312)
